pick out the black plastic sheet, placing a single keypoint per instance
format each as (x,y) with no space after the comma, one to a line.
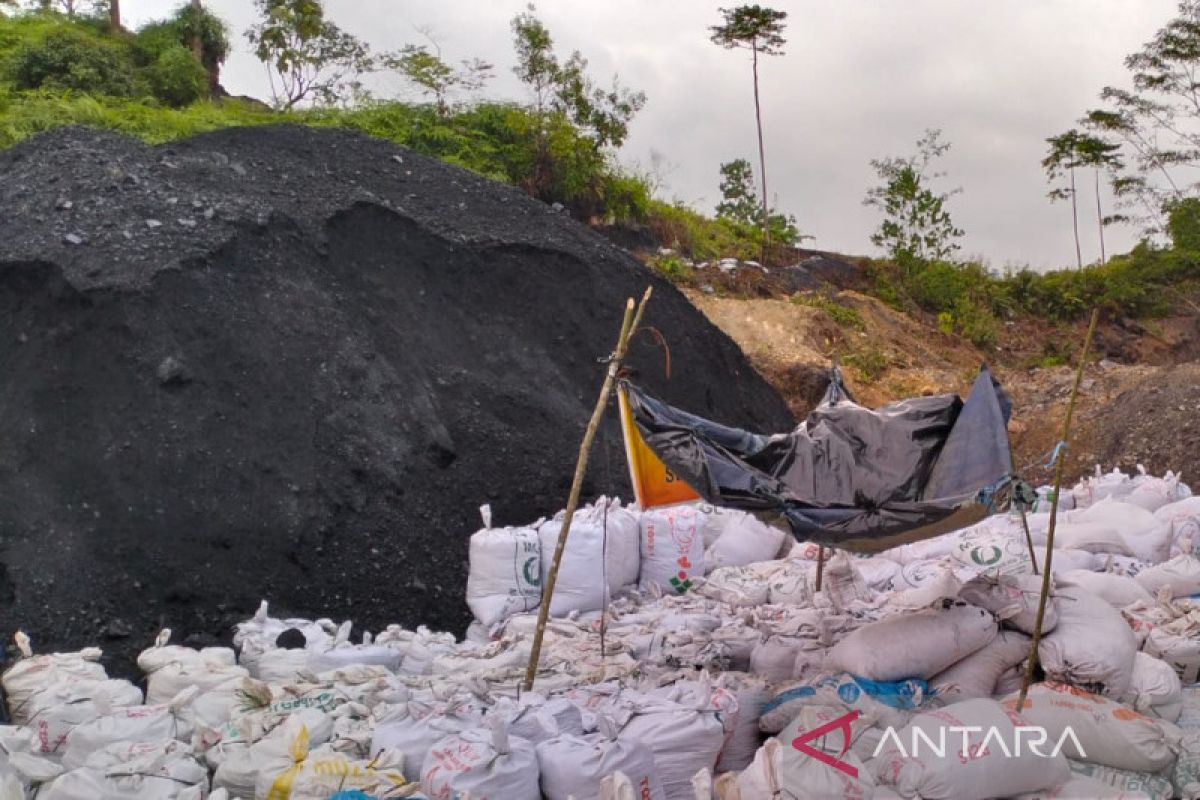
(848,476)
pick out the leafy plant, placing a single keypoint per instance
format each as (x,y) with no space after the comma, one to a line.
(71,58)
(846,316)
(870,362)
(308,57)
(177,78)
(916,226)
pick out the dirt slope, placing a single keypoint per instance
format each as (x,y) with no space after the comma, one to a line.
(1127,414)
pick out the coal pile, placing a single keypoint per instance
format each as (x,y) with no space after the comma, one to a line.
(290,363)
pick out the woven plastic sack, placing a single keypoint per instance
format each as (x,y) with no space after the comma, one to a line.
(1091,647)
(572,767)
(32,674)
(1154,688)
(672,548)
(916,645)
(1104,731)
(977,674)
(973,765)
(505,575)
(482,763)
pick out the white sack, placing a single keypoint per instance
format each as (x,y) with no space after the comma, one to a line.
(482,763)
(977,674)
(594,552)
(415,727)
(742,738)
(1138,784)
(1118,591)
(975,771)
(1178,643)
(1183,518)
(61,707)
(31,674)
(739,587)
(1013,599)
(164,722)
(1081,787)
(1091,647)
(572,767)
(304,772)
(1154,688)
(672,548)
(145,770)
(1107,732)
(744,540)
(683,739)
(918,645)
(505,575)
(999,553)
(1145,537)
(780,772)
(1091,537)
(1180,576)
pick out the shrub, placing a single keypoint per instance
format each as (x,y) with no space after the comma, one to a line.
(870,362)
(673,268)
(176,78)
(72,59)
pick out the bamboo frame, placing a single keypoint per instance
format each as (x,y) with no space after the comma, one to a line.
(628,325)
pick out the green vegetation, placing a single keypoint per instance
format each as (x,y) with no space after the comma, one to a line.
(846,316)
(161,83)
(869,361)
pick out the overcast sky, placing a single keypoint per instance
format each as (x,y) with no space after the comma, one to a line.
(861,79)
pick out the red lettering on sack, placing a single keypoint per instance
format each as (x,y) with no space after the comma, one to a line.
(842,723)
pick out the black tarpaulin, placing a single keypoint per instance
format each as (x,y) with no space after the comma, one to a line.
(848,476)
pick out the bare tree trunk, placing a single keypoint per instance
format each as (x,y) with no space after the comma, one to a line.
(762,163)
(1100,219)
(114,15)
(197,44)
(1075,222)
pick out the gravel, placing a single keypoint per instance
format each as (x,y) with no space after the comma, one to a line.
(291,363)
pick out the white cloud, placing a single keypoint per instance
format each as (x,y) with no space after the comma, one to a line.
(861,79)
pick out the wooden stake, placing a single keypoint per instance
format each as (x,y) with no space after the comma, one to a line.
(820,565)
(1058,477)
(1029,541)
(628,325)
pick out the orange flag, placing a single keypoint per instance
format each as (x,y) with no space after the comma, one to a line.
(653,484)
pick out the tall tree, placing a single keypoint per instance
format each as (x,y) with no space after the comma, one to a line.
(537,66)
(1074,149)
(1157,120)
(760,30)
(308,57)
(916,226)
(1064,155)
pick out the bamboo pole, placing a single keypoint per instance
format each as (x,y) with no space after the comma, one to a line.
(1058,478)
(1029,540)
(820,566)
(628,325)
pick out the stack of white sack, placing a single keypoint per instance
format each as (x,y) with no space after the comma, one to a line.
(676,661)
(601,556)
